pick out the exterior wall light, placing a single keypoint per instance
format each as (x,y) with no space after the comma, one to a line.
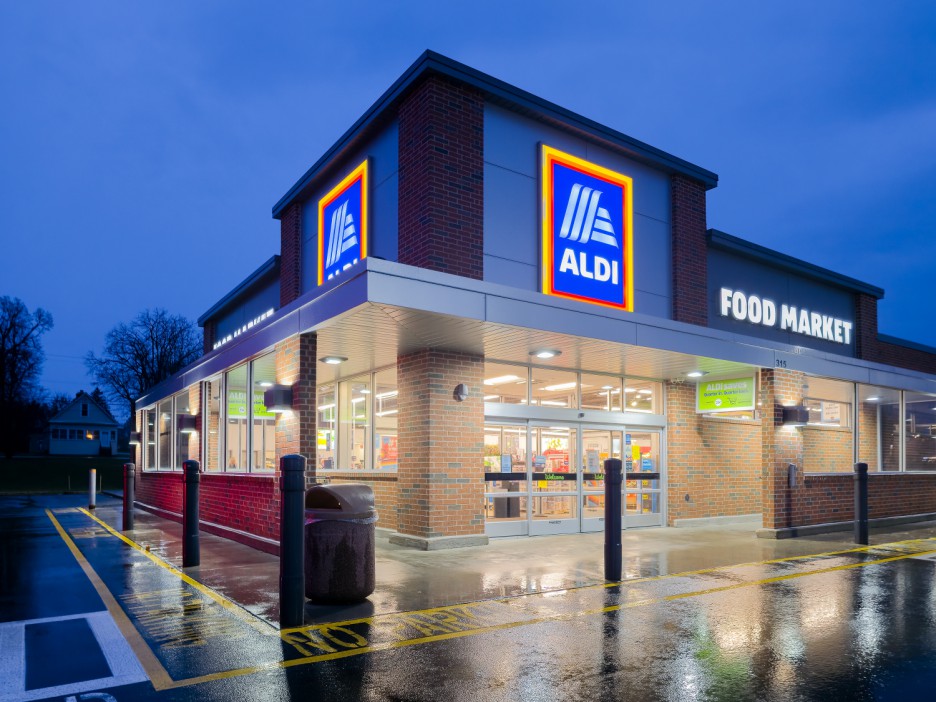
(187,424)
(278,398)
(795,416)
(135,439)
(546,353)
(333,360)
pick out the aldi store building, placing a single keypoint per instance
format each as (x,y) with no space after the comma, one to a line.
(480,296)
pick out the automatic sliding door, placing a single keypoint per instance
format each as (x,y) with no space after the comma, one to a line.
(555,494)
(643,465)
(598,445)
(506,496)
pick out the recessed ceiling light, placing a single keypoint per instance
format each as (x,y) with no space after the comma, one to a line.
(696,374)
(560,386)
(874,398)
(499,380)
(266,384)
(333,360)
(546,353)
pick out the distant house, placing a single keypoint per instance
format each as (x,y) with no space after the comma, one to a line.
(83,428)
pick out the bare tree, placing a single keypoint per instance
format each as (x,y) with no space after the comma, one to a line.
(21,360)
(143,353)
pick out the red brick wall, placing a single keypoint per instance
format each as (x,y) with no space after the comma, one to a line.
(385,490)
(827,450)
(825,499)
(209,332)
(295,431)
(442,178)
(248,503)
(871,349)
(441,473)
(290,253)
(780,445)
(162,490)
(690,266)
(714,461)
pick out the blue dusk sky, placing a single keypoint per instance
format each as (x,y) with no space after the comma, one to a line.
(143,145)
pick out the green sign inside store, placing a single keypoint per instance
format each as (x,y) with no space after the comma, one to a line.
(726,395)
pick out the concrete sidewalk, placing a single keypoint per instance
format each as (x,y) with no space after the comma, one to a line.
(409,579)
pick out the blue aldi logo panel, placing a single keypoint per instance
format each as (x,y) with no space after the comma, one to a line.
(587,216)
(342,225)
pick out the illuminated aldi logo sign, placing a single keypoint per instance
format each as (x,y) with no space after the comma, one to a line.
(342,225)
(587,217)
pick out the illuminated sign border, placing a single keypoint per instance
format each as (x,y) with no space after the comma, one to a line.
(359,173)
(550,156)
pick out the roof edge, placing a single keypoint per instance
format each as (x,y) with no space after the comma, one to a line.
(431,61)
(265,268)
(896,341)
(726,242)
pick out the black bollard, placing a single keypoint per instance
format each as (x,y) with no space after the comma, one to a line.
(613,548)
(191,553)
(129,494)
(861,503)
(292,541)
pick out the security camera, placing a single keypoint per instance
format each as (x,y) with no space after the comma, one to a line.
(460,393)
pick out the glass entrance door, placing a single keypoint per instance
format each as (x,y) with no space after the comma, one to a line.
(644,475)
(556,479)
(549,478)
(598,445)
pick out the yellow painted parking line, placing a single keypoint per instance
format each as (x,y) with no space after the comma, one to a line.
(344,641)
(237,610)
(154,669)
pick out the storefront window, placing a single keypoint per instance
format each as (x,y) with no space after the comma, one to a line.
(236,426)
(602,392)
(186,440)
(386,410)
(878,427)
(550,387)
(326,427)
(354,414)
(828,445)
(505,383)
(149,434)
(643,396)
(505,465)
(920,435)
(263,372)
(164,436)
(212,423)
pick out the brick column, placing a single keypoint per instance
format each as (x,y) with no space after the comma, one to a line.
(441,147)
(209,333)
(295,431)
(441,468)
(291,254)
(780,445)
(690,261)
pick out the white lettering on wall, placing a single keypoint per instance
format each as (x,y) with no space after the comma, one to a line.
(237,332)
(762,311)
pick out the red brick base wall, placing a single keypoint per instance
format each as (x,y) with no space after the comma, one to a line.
(824,499)
(716,462)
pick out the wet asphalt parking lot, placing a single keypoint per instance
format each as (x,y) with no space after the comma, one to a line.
(89,613)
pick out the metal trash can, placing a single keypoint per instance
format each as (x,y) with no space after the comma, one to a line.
(340,533)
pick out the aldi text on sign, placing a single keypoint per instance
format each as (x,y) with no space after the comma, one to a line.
(342,225)
(587,219)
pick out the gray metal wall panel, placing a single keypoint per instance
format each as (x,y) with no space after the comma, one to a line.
(517,313)
(511,206)
(698,345)
(266,298)
(427,297)
(739,273)
(384,151)
(512,273)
